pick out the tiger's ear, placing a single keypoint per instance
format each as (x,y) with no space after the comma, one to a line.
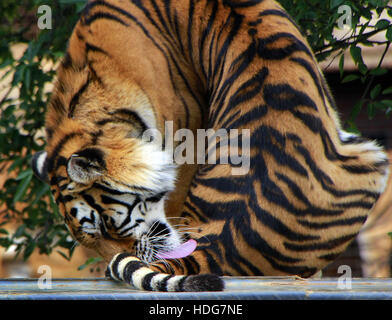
(86,166)
(40,166)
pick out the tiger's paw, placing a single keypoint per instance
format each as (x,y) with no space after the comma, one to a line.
(130,269)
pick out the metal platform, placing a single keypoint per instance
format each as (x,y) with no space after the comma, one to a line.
(245,288)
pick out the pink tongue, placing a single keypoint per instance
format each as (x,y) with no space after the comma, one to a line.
(181,251)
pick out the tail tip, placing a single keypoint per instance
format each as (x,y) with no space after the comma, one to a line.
(203,282)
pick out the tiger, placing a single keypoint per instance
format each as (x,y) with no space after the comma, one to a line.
(132,67)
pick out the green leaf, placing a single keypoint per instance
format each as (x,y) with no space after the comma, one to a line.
(27,78)
(63,255)
(24,174)
(341,65)
(90,261)
(335,3)
(3,231)
(17,163)
(387,91)
(388,34)
(356,54)
(350,77)
(54,206)
(22,188)
(387,103)
(382,24)
(29,250)
(375,91)
(356,109)
(19,232)
(378,71)
(371,110)
(362,68)
(352,127)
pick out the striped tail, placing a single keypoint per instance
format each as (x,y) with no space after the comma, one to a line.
(130,269)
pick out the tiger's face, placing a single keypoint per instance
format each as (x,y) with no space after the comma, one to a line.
(97,206)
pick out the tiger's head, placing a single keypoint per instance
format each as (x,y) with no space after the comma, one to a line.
(110,183)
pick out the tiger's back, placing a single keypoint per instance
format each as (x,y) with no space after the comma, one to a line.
(233,65)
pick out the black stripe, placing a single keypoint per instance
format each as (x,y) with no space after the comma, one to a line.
(273,142)
(191,266)
(355,204)
(67,198)
(160,17)
(204,35)
(177,30)
(309,68)
(311,209)
(146,12)
(219,60)
(237,67)
(73,212)
(157,197)
(334,223)
(266,52)
(276,13)
(133,116)
(190,28)
(91,219)
(285,97)
(76,97)
(95,136)
(102,15)
(326,181)
(115,263)
(94,74)
(192,209)
(160,267)
(58,147)
(354,140)
(331,244)
(162,285)
(93,48)
(91,202)
(147,281)
(56,104)
(241,3)
(180,284)
(67,61)
(277,225)
(109,190)
(244,93)
(355,169)
(330,256)
(130,268)
(330,150)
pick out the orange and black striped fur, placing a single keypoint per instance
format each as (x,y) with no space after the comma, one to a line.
(132,65)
